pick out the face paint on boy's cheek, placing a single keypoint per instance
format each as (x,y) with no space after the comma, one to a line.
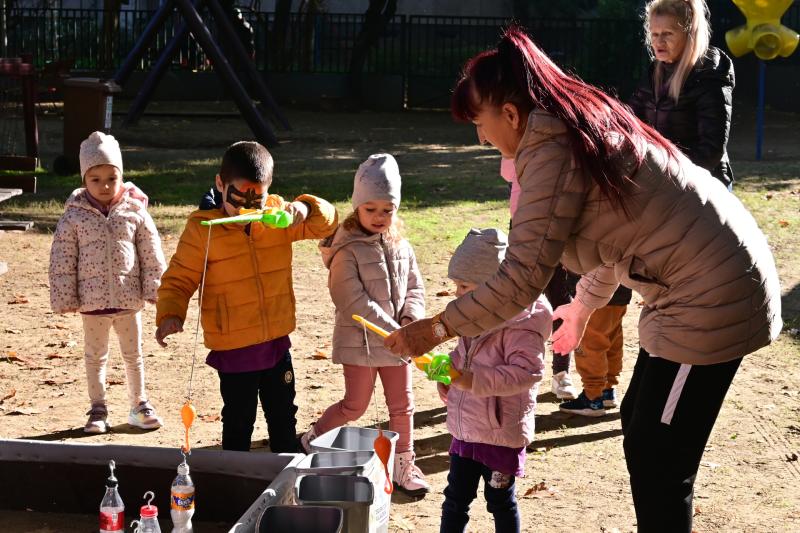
(248,199)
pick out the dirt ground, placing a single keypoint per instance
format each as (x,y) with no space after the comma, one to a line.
(576,476)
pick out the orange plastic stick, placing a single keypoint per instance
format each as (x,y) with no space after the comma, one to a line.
(187,415)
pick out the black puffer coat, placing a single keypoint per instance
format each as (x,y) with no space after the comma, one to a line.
(699,123)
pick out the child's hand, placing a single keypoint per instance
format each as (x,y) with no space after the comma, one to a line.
(299,212)
(463,382)
(442,389)
(169,325)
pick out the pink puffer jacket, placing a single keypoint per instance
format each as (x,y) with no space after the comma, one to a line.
(105,262)
(507,364)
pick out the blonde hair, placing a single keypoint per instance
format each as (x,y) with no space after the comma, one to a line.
(692,17)
(393,235)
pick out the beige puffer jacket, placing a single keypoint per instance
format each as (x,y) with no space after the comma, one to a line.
(690,248)
(105,262)
(371,278)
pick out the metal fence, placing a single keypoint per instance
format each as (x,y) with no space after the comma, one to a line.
(602,51)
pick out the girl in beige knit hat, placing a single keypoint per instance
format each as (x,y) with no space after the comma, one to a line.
(105,262)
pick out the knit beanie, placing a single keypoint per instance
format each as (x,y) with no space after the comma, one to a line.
(378,178)
(99,149)
(478,256)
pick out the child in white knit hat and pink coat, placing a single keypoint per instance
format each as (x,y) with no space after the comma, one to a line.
(374,273)
(105,263)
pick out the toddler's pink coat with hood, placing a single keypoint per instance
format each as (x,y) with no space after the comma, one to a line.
(507,364)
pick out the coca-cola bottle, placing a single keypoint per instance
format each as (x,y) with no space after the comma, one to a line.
(112,510)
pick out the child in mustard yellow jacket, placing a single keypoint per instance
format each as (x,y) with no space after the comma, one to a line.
(248,305)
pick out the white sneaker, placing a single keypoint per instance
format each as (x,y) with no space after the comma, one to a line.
(306,438)
(144,416)
(562,386)
(408,478)
(98,419)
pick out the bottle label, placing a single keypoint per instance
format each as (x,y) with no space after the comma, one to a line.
(112,521)
(181,501)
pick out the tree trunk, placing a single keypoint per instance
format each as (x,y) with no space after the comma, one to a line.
(377,17)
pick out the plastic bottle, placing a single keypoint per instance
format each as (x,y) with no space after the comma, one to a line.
(148,516)
(112,510)
(182,500)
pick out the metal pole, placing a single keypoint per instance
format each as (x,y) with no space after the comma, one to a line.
(156,73)
(249,112)
(762,82)
(3,37)
(144,42)
(263,93)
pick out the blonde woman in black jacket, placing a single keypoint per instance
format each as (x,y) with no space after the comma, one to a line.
(687,92)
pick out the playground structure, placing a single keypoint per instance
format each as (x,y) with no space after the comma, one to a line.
(227,70)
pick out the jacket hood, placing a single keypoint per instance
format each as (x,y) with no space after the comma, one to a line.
(715,65)
(79,197)
(329,246)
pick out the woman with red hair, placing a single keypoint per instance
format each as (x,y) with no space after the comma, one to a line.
(610,198)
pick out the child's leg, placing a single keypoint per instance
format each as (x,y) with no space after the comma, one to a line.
(95,339)
(616,349)
(240,401)
(358,384)
(129,330)
(396,382)
(590,357)
(277,393)
(461,490)
(501,500)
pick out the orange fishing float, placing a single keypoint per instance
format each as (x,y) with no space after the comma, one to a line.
(188,413)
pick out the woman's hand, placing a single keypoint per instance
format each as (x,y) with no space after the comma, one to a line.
(463,382)
(574,315)
(415,339)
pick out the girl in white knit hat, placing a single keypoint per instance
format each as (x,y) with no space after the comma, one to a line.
(105,262)
(374,273)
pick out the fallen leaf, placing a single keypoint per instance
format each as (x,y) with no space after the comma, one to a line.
(791,457)
(443,293)
(115,382)
(57,382)
(18,299)
(319,354)
(13,331)
(68,344)
(315,386)
(768,196)
(55,356)
(10,394)
(20,411)
(782,223)
(208,418)
(540,490)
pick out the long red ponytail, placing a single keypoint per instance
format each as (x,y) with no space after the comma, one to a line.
(599,126)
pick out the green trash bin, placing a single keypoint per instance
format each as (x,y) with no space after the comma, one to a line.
(88,103)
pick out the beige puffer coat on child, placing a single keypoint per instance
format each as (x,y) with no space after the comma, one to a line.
(105,262)
(377,280)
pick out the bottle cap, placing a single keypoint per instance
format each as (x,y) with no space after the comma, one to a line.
(148,511)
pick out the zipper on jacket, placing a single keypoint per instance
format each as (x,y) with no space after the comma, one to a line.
(261,308)
(389,269)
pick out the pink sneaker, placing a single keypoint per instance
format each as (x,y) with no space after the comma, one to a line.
(144,416)
(98,419)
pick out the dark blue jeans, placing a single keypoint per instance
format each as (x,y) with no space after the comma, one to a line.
(462,489)
(241,393)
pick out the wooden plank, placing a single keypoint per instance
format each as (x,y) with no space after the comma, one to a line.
(26,182)
(23,225)
(18,162)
